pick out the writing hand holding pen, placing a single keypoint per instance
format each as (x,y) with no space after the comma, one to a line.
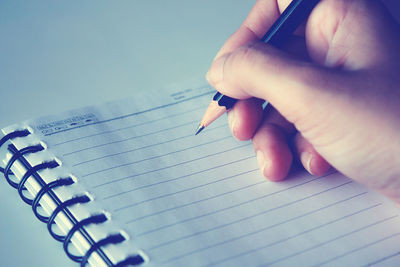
(334,92)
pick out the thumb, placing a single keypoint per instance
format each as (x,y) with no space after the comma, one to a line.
(293,87)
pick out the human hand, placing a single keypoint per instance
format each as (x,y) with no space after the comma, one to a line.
(334,92)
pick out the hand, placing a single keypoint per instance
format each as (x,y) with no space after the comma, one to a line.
(333,91)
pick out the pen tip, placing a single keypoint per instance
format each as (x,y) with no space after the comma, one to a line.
(199,129)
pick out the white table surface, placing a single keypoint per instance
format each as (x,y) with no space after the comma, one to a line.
(59,55)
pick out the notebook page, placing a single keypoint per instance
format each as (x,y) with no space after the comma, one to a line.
(200,200)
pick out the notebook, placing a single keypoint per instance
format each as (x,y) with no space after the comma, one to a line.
(128,183)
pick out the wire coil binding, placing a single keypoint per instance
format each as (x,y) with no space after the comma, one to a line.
(17,156)
(29,172)
(44,190)
(47,189)
(95,219)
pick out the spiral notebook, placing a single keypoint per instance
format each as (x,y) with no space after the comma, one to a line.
(128,183)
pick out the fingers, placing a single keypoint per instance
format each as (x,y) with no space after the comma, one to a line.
(272,116)
(245,117)
(310,159)
(259,70)
(271,141)
(260,18)
(271,144)
(274,156)
(270,134)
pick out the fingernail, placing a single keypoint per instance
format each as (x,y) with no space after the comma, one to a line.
(261,161)
(216,71)
(306,159)
(232,121)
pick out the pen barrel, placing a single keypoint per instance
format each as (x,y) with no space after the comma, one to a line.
(224,101)
(289,21)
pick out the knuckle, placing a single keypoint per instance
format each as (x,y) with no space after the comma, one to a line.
(245,55)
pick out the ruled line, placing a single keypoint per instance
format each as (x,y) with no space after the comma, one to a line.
(229,207)
(143,147)
(199,216)
(198,201)
(383,259)
(129,138)
(245,218)
(184,190)
(359,248)
(332,240)
(167,167)
(297,235)
(177,178)
(128,127)
(264,228)
(135,113)
(158,156)
(162,155)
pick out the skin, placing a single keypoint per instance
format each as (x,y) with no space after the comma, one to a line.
(333,91)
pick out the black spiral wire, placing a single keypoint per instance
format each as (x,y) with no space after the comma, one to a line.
(47,189)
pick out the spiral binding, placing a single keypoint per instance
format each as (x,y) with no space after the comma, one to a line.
(62,206)
(95,219)
(10,136)
(112,239)
(15,157)
(47,189)
(42,166)
(43,191)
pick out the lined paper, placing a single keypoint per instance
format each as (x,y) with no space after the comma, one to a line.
(201,200)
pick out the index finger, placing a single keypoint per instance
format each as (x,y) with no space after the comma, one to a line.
(260,19)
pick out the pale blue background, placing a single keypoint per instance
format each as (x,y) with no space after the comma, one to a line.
(58,55)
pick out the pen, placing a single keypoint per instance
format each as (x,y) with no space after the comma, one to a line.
(277,35)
